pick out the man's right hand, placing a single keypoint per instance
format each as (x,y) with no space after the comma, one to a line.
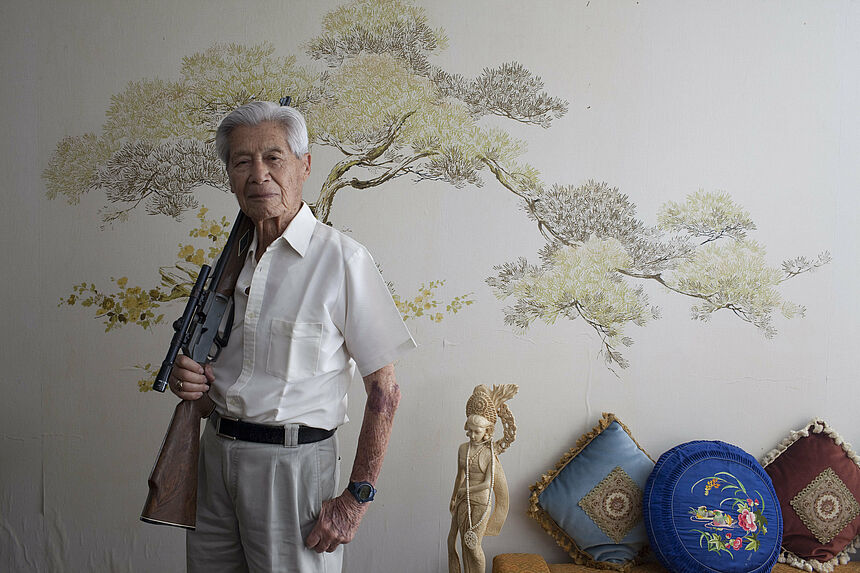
(188,379)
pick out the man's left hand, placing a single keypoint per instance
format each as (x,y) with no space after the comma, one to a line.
(338,522)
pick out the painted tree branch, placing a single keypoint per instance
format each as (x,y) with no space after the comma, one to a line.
(746,288)
(334,182)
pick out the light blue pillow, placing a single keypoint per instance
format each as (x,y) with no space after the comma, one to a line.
(592,502)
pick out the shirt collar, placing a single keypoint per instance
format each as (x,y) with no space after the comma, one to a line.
(300,230)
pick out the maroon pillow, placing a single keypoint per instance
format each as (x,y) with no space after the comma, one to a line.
(816,476)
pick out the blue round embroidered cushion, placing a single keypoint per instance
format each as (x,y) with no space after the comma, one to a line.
(710,506)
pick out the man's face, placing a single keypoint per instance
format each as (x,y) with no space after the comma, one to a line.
(265,175)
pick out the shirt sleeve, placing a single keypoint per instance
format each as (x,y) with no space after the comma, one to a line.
(373,329)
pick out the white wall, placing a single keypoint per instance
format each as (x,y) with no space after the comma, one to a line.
(757,99)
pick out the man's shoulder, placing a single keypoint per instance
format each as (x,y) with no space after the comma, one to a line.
(330,239)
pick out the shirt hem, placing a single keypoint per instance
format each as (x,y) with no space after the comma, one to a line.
(386,358)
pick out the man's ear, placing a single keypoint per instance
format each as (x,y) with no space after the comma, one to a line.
(306,162)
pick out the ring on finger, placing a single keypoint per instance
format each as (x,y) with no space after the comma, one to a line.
(179,385)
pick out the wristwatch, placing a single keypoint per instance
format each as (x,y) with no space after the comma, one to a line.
(362,491)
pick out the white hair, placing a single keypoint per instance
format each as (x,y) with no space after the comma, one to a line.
(257,112)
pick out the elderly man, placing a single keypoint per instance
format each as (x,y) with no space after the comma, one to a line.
(310,307)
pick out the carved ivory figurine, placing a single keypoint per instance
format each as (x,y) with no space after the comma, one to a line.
(478,474)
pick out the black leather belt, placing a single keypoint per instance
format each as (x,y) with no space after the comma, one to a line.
(288,436)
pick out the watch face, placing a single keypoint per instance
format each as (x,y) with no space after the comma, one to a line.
(362,491)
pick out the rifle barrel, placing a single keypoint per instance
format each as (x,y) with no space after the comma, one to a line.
(181,333)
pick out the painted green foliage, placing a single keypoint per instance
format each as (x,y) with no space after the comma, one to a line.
(371,93)
(598,255)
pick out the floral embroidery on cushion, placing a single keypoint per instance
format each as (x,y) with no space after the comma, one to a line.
(747,520)
(826,506)
(614,505)
(732,523)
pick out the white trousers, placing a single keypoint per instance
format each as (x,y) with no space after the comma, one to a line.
(257,503)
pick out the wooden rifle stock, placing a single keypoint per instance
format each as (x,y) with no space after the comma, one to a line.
(172,498)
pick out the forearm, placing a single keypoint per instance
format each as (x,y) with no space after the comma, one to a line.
(475,488)
(458,483)
(340,517)
(383,397)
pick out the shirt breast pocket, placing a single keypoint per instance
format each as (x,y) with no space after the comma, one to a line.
(294,349)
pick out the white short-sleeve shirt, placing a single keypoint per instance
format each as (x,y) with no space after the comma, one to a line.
(306,315)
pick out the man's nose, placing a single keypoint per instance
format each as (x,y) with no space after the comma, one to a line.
(259,171)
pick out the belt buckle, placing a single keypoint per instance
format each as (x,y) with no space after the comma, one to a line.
(291,436)
(218,428)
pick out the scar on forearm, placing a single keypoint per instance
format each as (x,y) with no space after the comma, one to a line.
(383,401)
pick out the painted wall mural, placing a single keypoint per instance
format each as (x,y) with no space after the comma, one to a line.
(374,97)
(598,255)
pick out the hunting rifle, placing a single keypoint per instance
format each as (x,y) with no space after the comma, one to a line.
(172,498)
